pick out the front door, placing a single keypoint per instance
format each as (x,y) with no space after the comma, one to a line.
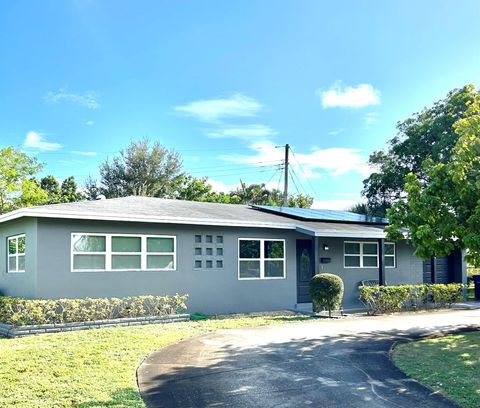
(305,269)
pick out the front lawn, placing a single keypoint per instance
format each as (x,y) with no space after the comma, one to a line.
(449,364)
(94,368)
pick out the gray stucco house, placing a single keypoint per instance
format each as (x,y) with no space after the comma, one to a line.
(228,258)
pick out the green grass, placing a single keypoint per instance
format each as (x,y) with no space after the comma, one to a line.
(449,364)
(94,368)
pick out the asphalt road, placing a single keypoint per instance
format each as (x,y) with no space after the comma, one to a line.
(321,363)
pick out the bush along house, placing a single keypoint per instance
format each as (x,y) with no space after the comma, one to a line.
(227,258)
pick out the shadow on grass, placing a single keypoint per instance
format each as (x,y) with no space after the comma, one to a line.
(122,398)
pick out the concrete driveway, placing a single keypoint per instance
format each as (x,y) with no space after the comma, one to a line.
(321,363)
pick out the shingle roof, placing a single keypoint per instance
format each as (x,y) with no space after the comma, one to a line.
(147,209)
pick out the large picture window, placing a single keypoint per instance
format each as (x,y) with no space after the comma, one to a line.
(16,253)
(365,254)
(116,252)
(261,258)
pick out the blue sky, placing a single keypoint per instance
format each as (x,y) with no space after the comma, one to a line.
(224,82)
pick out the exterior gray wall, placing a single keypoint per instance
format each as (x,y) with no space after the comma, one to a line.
(209,290)
(408,270)
(49,275)
(19,284)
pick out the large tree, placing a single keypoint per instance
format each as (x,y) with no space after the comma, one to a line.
(142,169)
(442,209)
(428,134)
(16,169)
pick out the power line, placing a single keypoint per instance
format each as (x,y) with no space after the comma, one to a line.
(294,183)
(305,174)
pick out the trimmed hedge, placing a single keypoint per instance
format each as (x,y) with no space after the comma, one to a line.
(327,292)
(19,311)
(390,299)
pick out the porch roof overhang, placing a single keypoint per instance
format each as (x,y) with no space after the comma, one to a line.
(342,231)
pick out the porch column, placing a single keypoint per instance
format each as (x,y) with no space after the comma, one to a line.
(381,262)
(433,269)
(316,256)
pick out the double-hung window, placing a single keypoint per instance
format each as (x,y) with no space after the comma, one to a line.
(16,253)
(117,252)
(360,254)
(390,261)
(365,254)
(261,258)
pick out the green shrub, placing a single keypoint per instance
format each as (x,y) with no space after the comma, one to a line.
(19,311)
(384,299)
(327,292)
(390,299)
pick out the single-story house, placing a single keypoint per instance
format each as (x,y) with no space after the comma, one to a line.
(227,258)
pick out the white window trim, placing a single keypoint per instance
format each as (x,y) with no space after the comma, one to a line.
(394,255)
(108,252)
(361,255)
(262,259)
(16,254)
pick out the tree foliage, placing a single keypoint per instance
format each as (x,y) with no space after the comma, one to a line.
(16,168)
(142,169)
(442,209)
(427,135)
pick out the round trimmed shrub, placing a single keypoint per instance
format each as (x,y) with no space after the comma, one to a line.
(327,292)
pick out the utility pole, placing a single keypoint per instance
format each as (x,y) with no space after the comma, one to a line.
(285,185)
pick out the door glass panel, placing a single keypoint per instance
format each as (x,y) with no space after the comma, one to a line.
(305,268)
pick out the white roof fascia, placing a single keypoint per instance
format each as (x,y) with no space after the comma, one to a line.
(147,219)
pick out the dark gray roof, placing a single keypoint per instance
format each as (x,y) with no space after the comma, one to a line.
(147,209)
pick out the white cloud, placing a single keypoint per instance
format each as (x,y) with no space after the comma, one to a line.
(246,132)
(35,140)
(337,131)
(343,96)
(86,100)
(89,123)
(334,204)
(335,161)
(370,119)
(214,110)
(220,187)
(80,153)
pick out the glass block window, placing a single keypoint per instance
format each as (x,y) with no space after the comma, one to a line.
(16,253)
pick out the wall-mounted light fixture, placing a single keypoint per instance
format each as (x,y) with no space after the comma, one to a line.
(325,247)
